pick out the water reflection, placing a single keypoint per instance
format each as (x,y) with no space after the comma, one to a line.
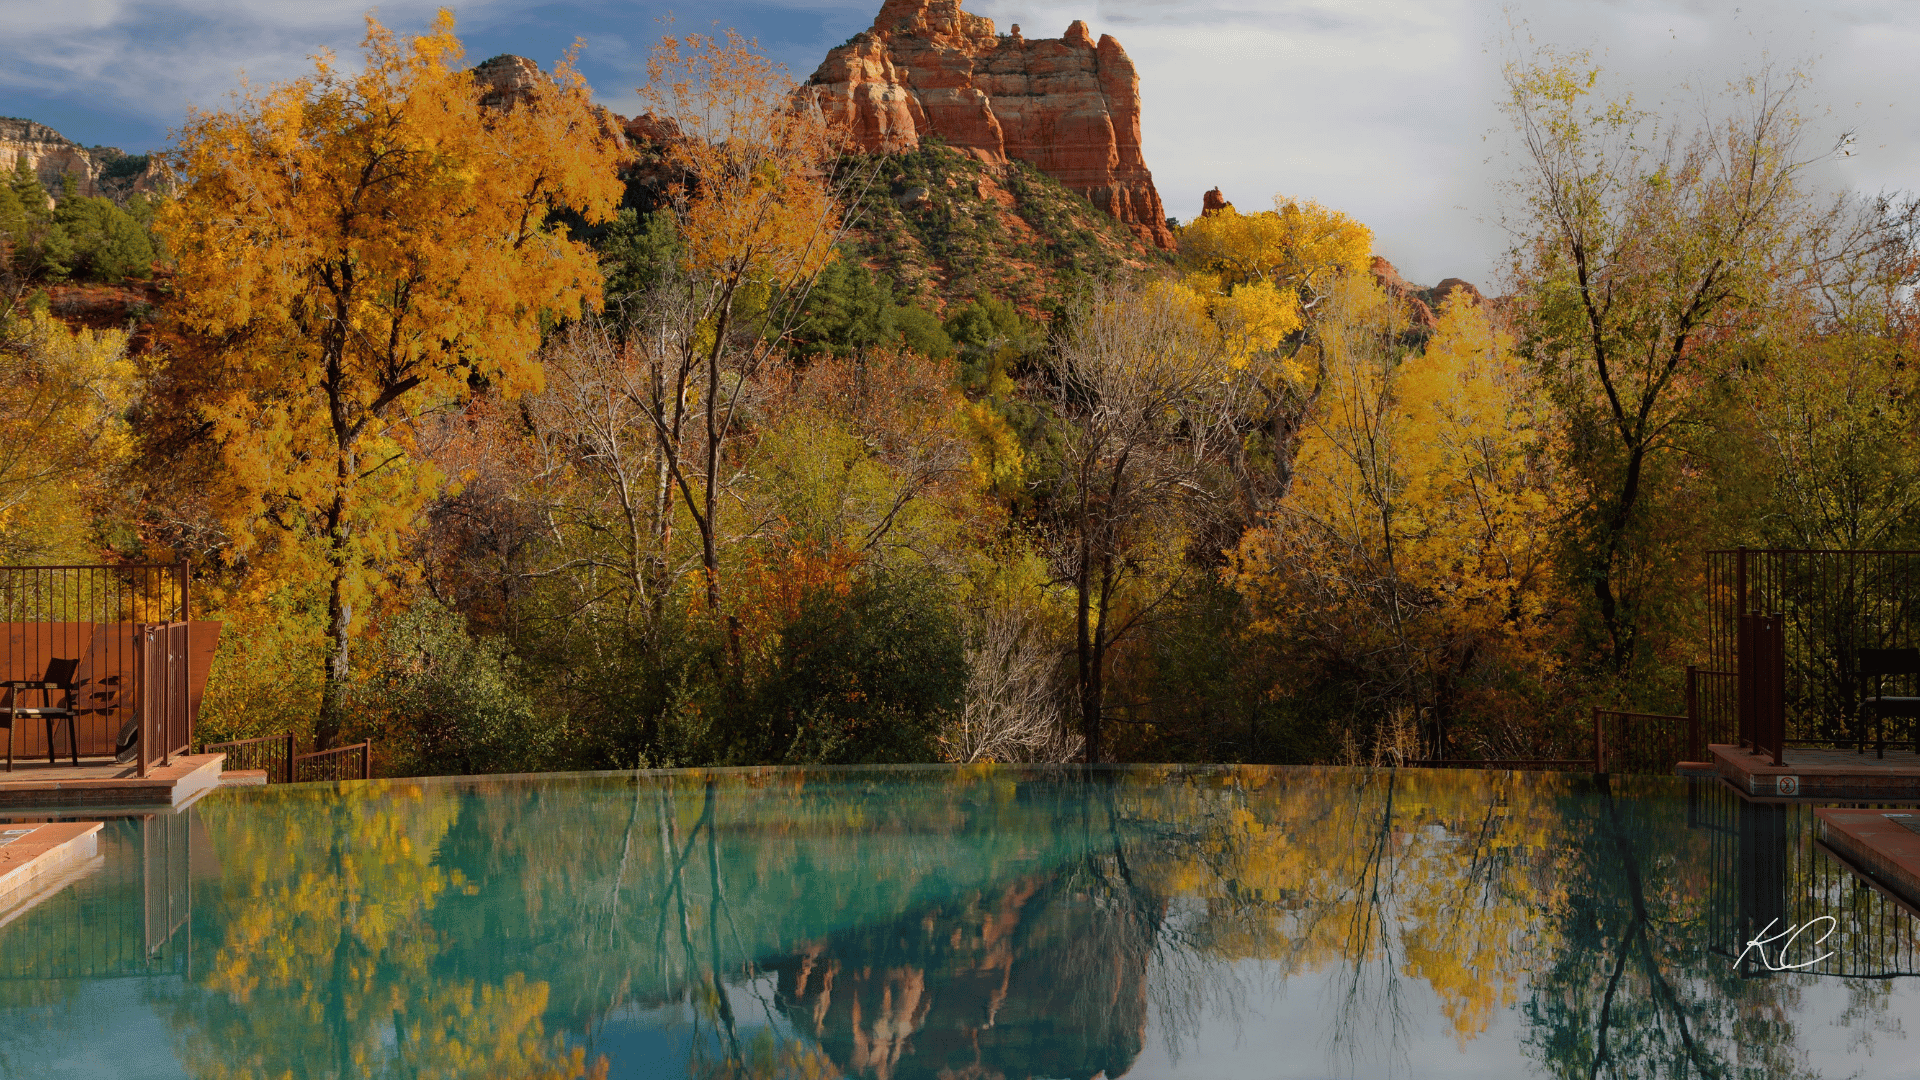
(963,924)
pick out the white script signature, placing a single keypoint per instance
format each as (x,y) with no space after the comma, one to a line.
(1782,941)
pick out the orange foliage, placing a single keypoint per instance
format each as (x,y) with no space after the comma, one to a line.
(354,250)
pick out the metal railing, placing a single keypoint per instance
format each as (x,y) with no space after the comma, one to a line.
(272,754)
(1829,605)
(1627,741)
(1769,867)
(354,762)
(128,627)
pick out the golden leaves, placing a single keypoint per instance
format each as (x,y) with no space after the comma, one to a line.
(354,249)
(63,399)
(753,203)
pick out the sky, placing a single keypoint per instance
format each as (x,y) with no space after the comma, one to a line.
(1384,109)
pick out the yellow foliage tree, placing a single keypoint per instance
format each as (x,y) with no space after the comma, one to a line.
(1262,276)
(757,212)
(1417,539)
(63,401)
(353,250)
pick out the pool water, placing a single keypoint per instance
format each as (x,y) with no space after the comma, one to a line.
(965,924)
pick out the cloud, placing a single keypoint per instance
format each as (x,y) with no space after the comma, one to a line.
(1386,109)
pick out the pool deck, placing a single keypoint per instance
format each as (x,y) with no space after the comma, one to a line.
(108,786)
(37,861)
(1877,843)
(1821,774)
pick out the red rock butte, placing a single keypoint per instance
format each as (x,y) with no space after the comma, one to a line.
(1068,106)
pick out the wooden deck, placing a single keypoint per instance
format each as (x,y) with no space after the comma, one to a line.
(106,786)
(1821,774)
(1879,843)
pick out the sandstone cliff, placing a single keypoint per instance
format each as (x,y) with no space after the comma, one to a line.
(97,170)
(1068,106)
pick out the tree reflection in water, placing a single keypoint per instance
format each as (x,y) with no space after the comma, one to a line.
(993,924)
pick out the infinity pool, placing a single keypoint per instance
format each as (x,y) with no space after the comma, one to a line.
(967,924)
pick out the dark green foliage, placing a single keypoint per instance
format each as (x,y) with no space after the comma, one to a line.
(636,250)
(39,247)
(444,701)
(849,311)
(125,166)
(866,677)
(83,237)
(108,244)
(921,331)
(995,342)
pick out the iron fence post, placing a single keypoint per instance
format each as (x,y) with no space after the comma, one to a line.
(143,710)
(1777,688)
(1599,743)
(1740,581)
(1695,751)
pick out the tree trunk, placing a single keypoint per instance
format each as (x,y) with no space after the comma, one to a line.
(1088,657)
(339,671)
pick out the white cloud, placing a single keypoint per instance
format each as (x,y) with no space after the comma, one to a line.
(1386,109)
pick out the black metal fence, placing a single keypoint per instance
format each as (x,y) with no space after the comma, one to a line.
(1770,870)
(140,659)
(1829,605)
(272,754)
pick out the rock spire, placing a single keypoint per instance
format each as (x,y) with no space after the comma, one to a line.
(1069,106)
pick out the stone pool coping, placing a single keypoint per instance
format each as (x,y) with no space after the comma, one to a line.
(1875,841)
(37,851)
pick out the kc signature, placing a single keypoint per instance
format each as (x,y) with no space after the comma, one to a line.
(1784,940)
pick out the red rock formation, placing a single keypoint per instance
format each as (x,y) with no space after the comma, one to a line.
(1068,106)
(1213,202)
(1405,291)
(53,157)
(1448,285)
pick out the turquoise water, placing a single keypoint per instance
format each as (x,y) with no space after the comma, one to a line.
(963,923)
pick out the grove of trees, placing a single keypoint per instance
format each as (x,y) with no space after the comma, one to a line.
(511,443)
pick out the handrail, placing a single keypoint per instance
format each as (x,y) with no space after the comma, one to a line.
(364,749)
(286,758)
(1496,763)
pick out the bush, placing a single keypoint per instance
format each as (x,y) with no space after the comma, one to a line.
(447,702)
(867,677)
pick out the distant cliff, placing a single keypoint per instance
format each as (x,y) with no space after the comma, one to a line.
(97,170)
(1068,106)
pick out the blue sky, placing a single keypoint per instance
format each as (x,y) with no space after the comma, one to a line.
(1383,108)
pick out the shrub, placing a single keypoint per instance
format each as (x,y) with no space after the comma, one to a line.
(449,702)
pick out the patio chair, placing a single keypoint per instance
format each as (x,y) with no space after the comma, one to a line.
(1877,664)
(59,676)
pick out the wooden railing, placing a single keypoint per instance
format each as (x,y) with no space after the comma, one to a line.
(353,762)
(271,753)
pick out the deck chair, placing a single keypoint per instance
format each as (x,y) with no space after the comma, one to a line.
(59,676)
(1875,665)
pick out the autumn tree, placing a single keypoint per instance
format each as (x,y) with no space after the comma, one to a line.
(355,250)
(1643,247)
(757,213)
(1414,554)
(64,398)
(1265,276)
(1138,385)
